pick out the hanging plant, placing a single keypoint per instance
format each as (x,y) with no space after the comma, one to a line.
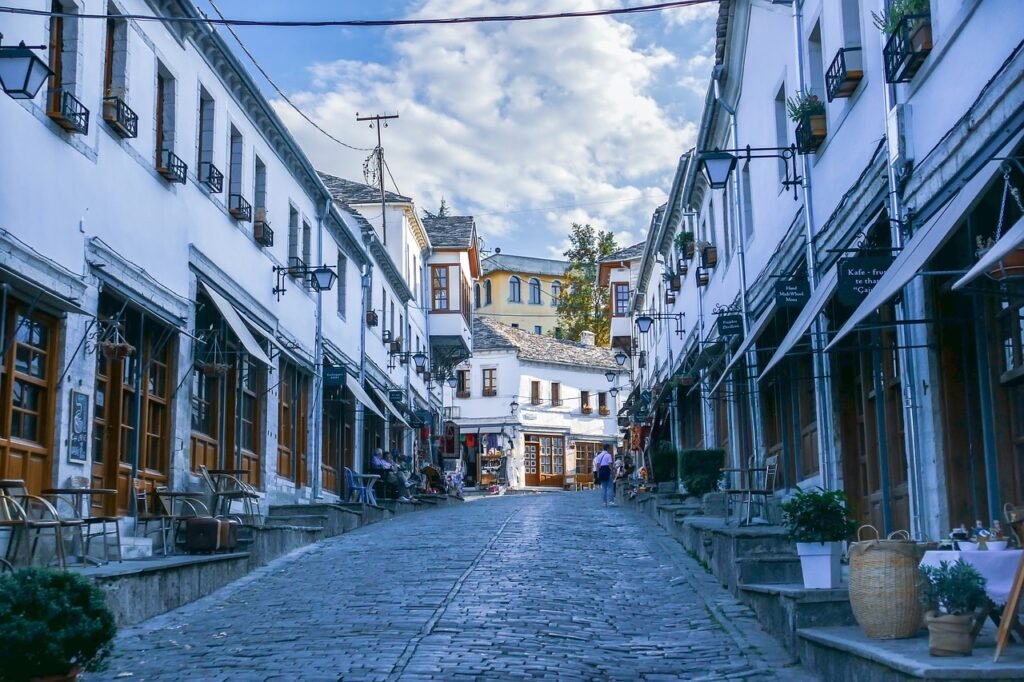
(804,104)
(113,345)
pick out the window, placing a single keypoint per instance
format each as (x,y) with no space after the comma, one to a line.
(514,293)
(534,291)
(535,392)
(115,63)
(585,454)
(476,295)
(291,426)
(745,193)
(63,55)
(235,166)
(462,387)
(781,128)
(556,397)
(815,63)
(515,325)
(537,329)
(307,242)
(851,23)
(558,333)
(391,322)
(342,289)
(439,287)
(165,90)
(556,291)
(206,122)
(293,235)
(487,292)
(602,404)
(250,396)
(621,302)
(490,382)
(259,189)
(585,407)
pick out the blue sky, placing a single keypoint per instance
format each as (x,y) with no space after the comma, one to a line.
(527,126)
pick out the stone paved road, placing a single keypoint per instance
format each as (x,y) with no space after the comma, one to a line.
(517,587)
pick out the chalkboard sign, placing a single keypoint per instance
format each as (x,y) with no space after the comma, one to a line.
(730,325)
(334,377)
(791,293)
(78,438)
(859,275)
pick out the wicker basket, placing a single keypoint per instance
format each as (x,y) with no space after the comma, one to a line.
(883,585)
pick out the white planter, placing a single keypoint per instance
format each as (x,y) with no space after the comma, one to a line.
(819,562)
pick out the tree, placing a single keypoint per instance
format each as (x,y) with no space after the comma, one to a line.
(442,210)
(583,305)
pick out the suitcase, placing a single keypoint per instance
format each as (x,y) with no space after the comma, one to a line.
(210,535)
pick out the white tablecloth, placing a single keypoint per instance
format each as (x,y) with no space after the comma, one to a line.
(998,567)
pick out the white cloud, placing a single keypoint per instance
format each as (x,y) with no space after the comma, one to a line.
(505,119)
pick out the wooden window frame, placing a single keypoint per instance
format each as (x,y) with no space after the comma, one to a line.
(585,406)
(535,397)
(490,381)
(440,288)
(556,394)
(462,389)
(620,305)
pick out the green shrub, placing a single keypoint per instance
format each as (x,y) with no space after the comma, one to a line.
(663,460)
(955,588)
(817,516)
(50,623)
(701,470)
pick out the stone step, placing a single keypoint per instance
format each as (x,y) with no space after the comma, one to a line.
(784,609)
(133,547)
(768,570)
(297,520)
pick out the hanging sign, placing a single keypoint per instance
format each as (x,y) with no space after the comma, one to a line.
(334,377)
(396,396)
(858,275)
(791,293)
(730,325)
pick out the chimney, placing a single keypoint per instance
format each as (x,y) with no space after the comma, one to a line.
(587,338)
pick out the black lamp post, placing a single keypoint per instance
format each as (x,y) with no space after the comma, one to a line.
(610,376)
(22,73)
(323,278)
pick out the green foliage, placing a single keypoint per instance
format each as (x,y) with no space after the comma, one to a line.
(683,238)
(51,622)
(663,459)
(955,588)
(891,17)
(817,516)
(701,470)
(803,104)
(583,305)
(442,211)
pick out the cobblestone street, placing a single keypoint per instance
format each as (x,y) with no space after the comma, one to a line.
(527,586)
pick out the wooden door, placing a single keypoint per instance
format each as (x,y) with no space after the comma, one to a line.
(530,463)
(551,461)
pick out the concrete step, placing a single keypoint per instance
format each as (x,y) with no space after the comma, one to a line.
(297,520)
(768,570)
(133,547)
(784,609)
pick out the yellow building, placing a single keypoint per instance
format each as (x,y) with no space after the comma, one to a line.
(520,291)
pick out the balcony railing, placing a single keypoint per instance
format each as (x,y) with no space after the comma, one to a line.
(261,231)
(907,48)
(490,392)
(461,394)
(670,297)
(239,208)
(172,167)
(556,402)
(71,115)
(810,133)
(845,72)
(120,117)
(604,411)
(297,267)
(211,177)
(586,409)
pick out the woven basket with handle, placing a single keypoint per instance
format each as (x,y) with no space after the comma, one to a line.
(883,584)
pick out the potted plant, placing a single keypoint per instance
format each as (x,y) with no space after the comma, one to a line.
(700,471)
(890,19)
(1010,265)
(708,254)
(818,521)
(55,624)
(685,244)
(951,593)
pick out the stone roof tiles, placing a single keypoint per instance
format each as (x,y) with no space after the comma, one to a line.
(489,334)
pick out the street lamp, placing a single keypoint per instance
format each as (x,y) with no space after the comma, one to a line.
(323,278)
(717,167)
(514,405)
(452,380)
(610,376)
(719,164)
(613,391)
(22,73)
(420,360)
(644,322)
(320,278)
(620,358)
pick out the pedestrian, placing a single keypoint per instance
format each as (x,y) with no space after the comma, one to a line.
(603,475)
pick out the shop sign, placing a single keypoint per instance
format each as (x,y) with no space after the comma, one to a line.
(858,275)
(645,395)
(78,441)
(396,396)
(791,293)
(334,377)
(730,325)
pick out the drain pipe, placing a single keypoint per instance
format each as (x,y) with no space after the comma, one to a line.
(365,306)
(318,361)
(822,387)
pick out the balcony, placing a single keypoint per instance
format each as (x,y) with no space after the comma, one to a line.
(587,409)
(297,267)
(604,411)
(450,335)
(845,73)
(461,394)
(490,392)
(120,117)
(811,131)
(261,231)
(172,167)
(907,48)
(670,297)
(70,114)
(239,208)
(210,176)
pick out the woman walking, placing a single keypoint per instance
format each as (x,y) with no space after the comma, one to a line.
(603,475)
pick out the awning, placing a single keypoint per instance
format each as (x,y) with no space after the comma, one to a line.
(391,407)
(1014,238)
(31,292)
(819,297)
(925,243)
(752,334)
(230,316)
(363,397)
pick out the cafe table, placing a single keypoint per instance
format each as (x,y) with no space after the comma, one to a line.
(998,567)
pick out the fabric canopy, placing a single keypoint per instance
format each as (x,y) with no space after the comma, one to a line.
(752,335)
(819,297)
(230,316)
(925,243)
(391,407)
(1014,238)
(363,397)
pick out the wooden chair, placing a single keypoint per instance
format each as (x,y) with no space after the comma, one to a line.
(751,482)
(23,513)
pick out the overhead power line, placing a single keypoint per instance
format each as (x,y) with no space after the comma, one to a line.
(358,23)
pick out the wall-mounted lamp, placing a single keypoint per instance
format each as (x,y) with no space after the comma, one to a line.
(513,406)
(22,73)
(613,391)
(452,380)
(610,376)
(719,164)
(320,278)
(644,322)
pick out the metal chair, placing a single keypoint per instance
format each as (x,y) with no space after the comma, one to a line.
(176,508)
(144,515)
(225,490)
(23,513)
(108,525)
(751,482)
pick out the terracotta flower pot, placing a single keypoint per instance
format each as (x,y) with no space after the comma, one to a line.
(1011,265)
(921,38)
(949,635)
(818,127)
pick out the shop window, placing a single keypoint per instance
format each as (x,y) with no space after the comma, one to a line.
(585,454)
(1011,326)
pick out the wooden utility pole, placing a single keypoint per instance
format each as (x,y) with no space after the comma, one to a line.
(375,121)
